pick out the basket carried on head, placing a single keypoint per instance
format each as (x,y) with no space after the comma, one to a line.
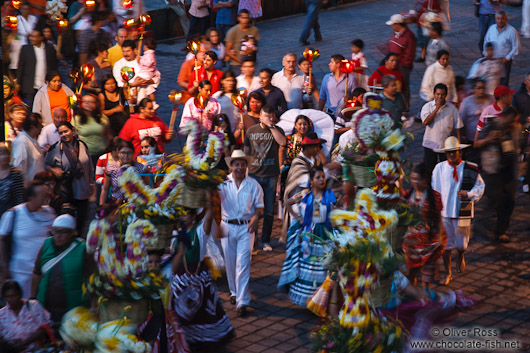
(164,234)
(192,197)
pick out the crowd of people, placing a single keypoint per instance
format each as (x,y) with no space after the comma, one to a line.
(61,160)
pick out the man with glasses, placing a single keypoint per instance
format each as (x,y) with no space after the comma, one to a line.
(235,37)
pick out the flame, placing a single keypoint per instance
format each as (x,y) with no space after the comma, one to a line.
(199,102)
(175,96)
(131,22)
(144,20)
(11,22)
(238,101)
(127,4)
(193,47)
(62,23)
(90,5)
(88,71)
(346,66)
(16,3)
(311,54)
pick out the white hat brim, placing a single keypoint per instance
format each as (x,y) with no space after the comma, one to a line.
(461,147)
(229,160)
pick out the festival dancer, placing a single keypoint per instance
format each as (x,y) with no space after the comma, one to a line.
(455,181)
(203,319)
(303,271)
(425,243)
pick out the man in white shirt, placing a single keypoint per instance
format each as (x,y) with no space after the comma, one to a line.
(455,181)
(291,82)
(26,153)
(49,135)
(506,41)
(247,80)
(441,119)
(29,225)
(241,206)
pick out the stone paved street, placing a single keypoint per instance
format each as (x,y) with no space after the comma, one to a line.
(498,275)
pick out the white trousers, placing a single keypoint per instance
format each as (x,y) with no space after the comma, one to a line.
(455,239)
(525,24)
(237,249)
(24,279)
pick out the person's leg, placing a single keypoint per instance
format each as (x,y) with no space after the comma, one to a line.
(268,212)
(507,69)
(525,23)
(482,28)
(194,27)
(406,84)
(204,24)
(311,17)
(430,158)
(243,251)
(316,27)
(451,244)
(228,244)
(506,206)
(81,211)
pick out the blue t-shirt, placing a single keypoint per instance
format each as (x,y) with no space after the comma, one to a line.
(488,8)
(226,15)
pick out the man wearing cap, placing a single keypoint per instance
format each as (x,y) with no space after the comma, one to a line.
(403,43)
(506,41)
(455,181)
(28,225)
(441,119)
(262,142)
(61,267)
(241,206)
(498,142)
(503,99)
(298,177)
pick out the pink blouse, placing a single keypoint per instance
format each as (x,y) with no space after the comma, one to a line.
(29,319)
(204,115)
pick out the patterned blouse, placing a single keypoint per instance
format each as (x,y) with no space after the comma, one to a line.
(293,148)
(29,319)
(205,115)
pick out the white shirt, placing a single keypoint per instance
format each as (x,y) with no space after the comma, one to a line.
(27,156)
(506,41)
(444,183)
(199,8)
(31,229)
(240,203)
(116,70)
(243,83)
(24,28)
(228,108)
(435,74)
(40,66)
(49,136)
(292,89)
(444,122)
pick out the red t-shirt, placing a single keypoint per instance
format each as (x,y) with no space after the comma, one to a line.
(215,78)
(136,128)
(381,71)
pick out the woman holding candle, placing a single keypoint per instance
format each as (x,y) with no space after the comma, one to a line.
(202,108)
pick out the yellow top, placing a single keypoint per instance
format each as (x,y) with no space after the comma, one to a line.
(115,54)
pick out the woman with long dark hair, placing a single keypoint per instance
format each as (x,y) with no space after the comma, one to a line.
(112,100)
(92,126)
(53,95)
(424,244)
(71,163)
(224,97)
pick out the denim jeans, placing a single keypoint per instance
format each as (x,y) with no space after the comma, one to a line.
(311,21)
(484,22)
(223,30)
(197,25)
(268,184)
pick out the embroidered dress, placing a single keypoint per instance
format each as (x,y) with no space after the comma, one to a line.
(303,271)
(20,327)
(205,116)
(425,243)
(195,301)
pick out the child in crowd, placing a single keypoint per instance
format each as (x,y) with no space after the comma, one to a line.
(359,62)
(147,71)
(150,156)
(214,37)
(488,68)
(248,48)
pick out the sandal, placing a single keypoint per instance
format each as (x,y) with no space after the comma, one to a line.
(445,281)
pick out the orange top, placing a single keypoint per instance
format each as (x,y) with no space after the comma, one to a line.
(34,11)
(59,99)
(186,70)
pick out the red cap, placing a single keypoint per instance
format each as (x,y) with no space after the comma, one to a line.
(312,139)
(502,91)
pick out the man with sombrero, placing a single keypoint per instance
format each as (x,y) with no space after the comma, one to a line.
(298,177)
(457,182)
(241,206)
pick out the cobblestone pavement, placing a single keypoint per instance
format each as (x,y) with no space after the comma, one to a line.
(497,274)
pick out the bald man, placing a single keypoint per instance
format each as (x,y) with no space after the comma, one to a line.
(115,53)
(290,81)
(49,135)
